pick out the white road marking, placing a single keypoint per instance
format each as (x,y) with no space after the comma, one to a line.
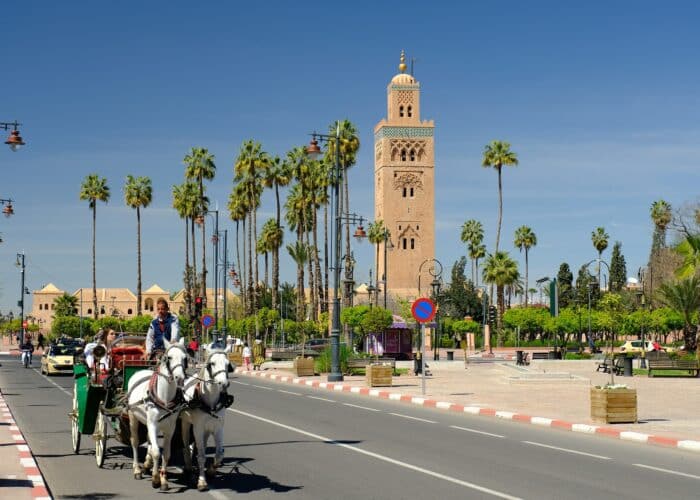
(322,399)
(361,407)
(240,383)
(290,392)
(576,452)
(70,393)
(218,495)
(263,387)
(383,458)
(667,471)
(414,418)
(476,431)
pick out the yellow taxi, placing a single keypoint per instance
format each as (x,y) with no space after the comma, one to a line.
(58,358)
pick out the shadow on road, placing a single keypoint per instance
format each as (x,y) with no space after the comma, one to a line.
(242,479)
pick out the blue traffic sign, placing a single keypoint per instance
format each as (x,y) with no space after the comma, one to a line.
(423,310)
(207,320)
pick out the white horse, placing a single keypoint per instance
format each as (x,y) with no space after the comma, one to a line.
(207,397)
(152,401)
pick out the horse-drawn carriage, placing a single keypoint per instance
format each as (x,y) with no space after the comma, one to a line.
(135,400)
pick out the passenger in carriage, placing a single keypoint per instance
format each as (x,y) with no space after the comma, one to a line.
(164,326)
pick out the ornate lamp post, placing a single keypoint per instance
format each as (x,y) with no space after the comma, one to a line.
(314,151)
(388,245)
(20,263)
(435,270)
(14,140)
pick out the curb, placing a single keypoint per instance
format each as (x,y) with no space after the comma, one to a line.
(26,458)
(610,432)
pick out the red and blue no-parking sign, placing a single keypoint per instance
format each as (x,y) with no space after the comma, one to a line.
(423,310)
(207,320)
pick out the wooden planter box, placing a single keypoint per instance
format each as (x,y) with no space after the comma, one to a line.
(379,375)
(235,358)
(304,367)
(613,406)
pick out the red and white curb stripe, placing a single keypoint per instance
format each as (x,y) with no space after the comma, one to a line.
(26,459)
(685,444)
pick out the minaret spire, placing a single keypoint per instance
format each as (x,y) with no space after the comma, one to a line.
(402,65)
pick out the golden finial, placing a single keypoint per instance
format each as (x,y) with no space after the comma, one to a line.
(402,66)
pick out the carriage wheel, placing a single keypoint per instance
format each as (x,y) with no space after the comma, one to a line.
(101,439)
(75,430)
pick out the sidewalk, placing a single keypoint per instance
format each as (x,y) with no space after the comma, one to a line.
(547,393)
(20,477)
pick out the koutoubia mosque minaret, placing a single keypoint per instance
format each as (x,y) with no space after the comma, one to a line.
(404,196)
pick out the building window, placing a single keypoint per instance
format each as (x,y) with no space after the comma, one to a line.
(41,306)
(53,306)
(412,155)
(89,311)
(411,193)
(417,228)
(409,111)
(129,311)
(403,155)
(102,310)
(404,243)
(404,192)
(399,228)
(401,111)
(413,243)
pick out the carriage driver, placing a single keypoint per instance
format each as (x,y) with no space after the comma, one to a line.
(165,325)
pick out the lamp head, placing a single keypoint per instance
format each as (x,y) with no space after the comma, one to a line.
(360,233)
(313,149)
(15,140)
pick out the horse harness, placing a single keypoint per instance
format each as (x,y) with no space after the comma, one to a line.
(225,399)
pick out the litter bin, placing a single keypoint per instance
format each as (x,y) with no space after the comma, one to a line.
(450,355)
(519,358)
(417,365)
(552,355)
(627,366)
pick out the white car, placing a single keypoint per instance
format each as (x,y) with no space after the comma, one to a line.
(637,346)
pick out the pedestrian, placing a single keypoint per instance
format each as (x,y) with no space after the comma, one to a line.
(40,341)
(246,356)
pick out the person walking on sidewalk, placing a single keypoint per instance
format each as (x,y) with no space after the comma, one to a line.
(246,356)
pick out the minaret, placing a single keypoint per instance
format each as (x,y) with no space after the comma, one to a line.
(404,197)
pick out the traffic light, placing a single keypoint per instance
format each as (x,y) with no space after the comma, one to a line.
(492,315)
(198,303)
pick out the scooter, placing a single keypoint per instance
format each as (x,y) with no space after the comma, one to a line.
(26,357)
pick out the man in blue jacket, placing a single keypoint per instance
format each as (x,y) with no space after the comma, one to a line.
(164,325)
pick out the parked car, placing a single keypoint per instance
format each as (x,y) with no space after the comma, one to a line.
(636,346)
(58,358)
(317,344)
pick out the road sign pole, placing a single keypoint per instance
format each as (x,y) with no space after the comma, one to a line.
(422,357)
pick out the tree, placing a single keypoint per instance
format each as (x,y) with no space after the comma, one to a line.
(460,298)
(497,154)
(618,269)
(65,305)
(185,201)
(299,253)
(500,270)
(199,166)
(93,189)
(472,235)
(525,239)
(600,242)
(684,297)
(138,193)
(377,235)
(477,252)
(689,251)
(565,281)
(276,175)
(660,212)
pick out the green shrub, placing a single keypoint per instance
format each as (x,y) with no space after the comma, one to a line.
(322,363)
(575,355)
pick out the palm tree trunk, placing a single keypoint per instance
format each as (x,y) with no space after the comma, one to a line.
(94,274)
(188,271)
(500,207)
(204,243)
(325,256)
(251,291)
(267,268)
(526,274)
(255,256)
(276,256)
(194,257)
(317,262)
(138,252)
(346,210)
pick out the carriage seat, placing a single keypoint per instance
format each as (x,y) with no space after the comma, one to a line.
(127,355)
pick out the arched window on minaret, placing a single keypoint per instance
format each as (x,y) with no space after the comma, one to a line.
(409,111)
(412,155)
(404,192)
(411,193)
(404,243)
(413,243)
(401,111)
(403,154)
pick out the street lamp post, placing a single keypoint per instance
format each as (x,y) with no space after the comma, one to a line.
(370,289)
(435,270)
(388,245)
(20,263)
(14,140)
(7,208)
(314,151)
(641,275)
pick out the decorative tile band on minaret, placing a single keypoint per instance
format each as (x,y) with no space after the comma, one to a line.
(404,170)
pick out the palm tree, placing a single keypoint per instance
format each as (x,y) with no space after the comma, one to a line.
(477,252)
(65,305)
(138,193)
(600,242)
(525,239)
(180,204)
(376,236)
(276,175)
(684,297)
(472,235)
(238,213)
(199,166)
(660,212)
(300,254)
(497,154)
(500,270)
(93,189)
(689,250)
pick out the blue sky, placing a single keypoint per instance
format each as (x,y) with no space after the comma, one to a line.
(599,100)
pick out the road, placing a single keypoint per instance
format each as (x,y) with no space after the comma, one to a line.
(308,443)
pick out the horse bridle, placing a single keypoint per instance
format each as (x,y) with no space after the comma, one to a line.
(212,375)
(164,360)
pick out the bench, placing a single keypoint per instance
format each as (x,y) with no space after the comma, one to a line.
(617,366)
(691,365)
(290,355)
(361,363)
(540,355)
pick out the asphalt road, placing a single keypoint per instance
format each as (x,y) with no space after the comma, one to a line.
(289,441)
